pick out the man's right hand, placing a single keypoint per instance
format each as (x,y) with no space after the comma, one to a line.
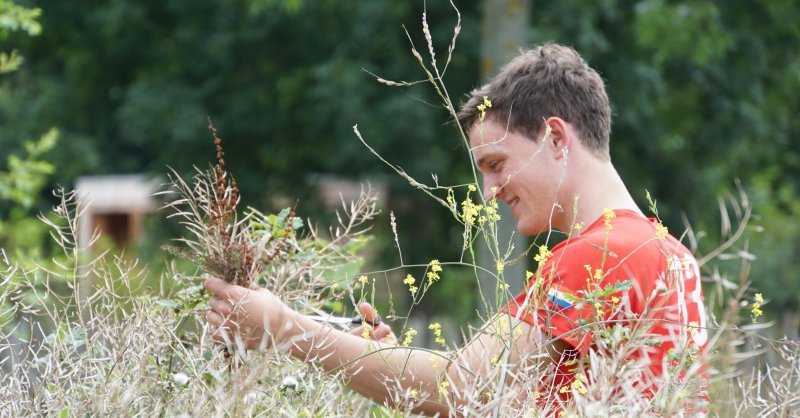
(382,332)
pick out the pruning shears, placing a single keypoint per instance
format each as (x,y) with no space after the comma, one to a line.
(344,322)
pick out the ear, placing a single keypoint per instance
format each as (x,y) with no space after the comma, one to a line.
(560,137)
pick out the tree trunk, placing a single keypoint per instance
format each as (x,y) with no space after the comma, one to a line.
(504,27)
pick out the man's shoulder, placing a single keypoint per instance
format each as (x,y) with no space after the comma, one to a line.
(628,239)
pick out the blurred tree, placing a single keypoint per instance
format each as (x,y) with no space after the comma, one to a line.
(130,84)
(702,93)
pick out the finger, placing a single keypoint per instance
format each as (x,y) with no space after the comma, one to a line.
(381,332)
(357,331)
(366,311)
(222,289)
(222,306)
(215,319)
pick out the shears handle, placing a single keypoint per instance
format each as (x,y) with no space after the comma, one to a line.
(358,321)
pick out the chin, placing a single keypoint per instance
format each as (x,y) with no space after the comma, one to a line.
(528,228)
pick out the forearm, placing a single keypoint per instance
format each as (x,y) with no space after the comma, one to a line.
(383,373)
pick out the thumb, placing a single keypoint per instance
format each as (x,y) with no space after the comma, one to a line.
(366,311)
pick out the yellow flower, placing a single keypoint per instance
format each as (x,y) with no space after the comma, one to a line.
(500,267)
(759,298)
(693,329)
(661,231)
(435,265)
(608,215)
(563,389)
(614,300)
(472,188)
(577,385)
(443,388)
(579,226)
(435,360)
(363,279)
(409,336)
(543,255)
(409,279)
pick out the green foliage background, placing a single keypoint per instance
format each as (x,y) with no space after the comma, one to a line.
(703,92)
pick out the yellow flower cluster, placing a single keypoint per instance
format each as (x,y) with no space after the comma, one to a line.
(483,106)
(661,231)
(756,311)
(543,255)
(693,329)
(363,279)
(470,211)
(599,311)
(409,336)
(437,331)
(491,212)
(598,274)
(451,199)
(409,280)
(435,360)
(608,215)
(433,274)
(500,266)
(443,388)
(577,385)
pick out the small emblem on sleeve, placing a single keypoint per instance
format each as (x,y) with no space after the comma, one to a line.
(561,299)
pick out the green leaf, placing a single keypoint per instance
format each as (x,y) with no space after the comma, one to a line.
(171,304)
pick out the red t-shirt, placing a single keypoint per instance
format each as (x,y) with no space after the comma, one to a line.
(665,294)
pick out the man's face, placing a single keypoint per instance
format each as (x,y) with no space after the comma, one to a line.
(524,174)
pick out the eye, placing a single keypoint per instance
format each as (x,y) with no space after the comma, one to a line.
(495,165)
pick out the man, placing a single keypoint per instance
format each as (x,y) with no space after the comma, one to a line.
(539,133)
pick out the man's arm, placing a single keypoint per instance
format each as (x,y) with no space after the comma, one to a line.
(371,367)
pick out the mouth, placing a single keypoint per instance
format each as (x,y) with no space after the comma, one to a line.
(513,202)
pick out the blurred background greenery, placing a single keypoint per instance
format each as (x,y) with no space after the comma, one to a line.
(702,92)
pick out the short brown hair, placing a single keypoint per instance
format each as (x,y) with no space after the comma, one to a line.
(550,80)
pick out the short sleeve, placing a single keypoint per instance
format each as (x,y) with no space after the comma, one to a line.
(552,298)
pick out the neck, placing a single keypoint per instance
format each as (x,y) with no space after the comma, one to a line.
(597,186)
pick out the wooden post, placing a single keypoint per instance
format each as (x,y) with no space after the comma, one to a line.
(504,27)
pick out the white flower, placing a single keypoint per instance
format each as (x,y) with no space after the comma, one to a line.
(251,398)
(289,381)
(180,379)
